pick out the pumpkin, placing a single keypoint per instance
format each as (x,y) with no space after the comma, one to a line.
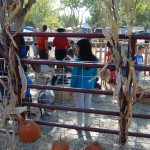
(95,146)
(28,131)
(60,145)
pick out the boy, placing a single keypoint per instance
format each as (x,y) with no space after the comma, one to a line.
(28,96)
(138,58)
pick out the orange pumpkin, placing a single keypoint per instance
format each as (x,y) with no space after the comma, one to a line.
(95,146)
(28,131)
(60,145)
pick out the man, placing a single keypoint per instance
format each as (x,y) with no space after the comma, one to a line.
(42,44)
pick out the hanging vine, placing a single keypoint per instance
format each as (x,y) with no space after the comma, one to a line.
(125,90)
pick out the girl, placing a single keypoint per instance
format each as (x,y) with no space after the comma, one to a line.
(81,76)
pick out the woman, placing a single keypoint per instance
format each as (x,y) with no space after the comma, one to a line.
(80,78)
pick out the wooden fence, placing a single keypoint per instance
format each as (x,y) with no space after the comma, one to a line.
(100,50)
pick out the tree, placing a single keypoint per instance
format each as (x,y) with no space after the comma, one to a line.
(75,10)
(68,21)
(16,11)
(43,12)
(143,14)
(95,14)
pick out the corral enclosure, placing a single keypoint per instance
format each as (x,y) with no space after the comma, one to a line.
(98,121)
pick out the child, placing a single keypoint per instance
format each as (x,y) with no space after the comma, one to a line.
(81,76)
(28,96)
(73,47)
(71,54)
(112,78)
(139,62)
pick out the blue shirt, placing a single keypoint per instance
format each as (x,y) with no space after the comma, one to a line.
(81,76)
(138,60)
(29,81)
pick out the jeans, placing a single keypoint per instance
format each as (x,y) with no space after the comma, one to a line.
(139,76)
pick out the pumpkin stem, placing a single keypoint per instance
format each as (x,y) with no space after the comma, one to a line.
(96,143)
(20,119)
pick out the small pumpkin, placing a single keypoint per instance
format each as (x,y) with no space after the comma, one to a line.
(28,131)
(60,145)
(95,146)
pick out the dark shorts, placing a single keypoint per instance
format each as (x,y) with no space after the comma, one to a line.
(60,54)
(43,54)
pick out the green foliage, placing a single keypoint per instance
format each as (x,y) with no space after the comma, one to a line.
(95,14)
(43,12)
(122,17)
(73,11)
(69,21)
(143,14)
(70,10)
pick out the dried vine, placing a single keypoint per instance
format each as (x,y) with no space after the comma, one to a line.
(125,90)
(11,11)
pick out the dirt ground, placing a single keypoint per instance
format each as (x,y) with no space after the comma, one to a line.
(80,142)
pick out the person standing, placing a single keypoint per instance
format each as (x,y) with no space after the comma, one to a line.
(28,96)
(81,76)
(139,62)
(113,76)
(42,44)
(61,44)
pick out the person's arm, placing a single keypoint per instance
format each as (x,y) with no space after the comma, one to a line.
(135,60)
(46,45)
(142,60)
(135,64)
(67,43)
(29,81)
(54,42)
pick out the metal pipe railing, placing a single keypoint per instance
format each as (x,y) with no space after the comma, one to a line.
(56,88)
(49,34)
(83,64)
(91,129)
(94,111)
(86,35)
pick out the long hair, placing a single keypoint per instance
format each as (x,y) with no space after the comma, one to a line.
(85,52)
